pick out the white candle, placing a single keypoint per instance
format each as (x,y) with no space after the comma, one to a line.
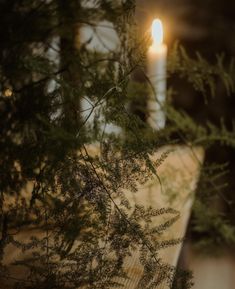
(157,56)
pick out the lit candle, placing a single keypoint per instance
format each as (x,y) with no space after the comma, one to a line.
(157,56)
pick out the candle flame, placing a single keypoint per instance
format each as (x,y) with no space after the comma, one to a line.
(157,32)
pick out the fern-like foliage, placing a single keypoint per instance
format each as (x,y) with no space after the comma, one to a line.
(64,209)
(64,178)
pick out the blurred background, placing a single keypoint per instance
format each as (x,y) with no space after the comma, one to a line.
(207,27)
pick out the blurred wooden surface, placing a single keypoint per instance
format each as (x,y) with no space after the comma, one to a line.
(178,173)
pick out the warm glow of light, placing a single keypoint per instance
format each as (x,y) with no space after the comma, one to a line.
(7,92)
(157,32)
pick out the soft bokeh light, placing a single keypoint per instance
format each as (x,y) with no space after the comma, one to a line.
(7,92)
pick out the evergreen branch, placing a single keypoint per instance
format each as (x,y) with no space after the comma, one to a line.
(40,81)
